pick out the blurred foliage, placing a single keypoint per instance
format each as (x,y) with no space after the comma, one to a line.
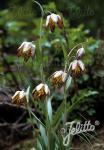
(20,22)
(75,11)
(17,26)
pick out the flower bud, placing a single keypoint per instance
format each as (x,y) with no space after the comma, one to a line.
(80,53)
(19,98)
(26,50)
(52,20)
(77,67)
(41,91)
(58,78)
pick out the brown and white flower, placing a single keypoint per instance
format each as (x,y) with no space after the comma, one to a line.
(26,50)
(41,91)
(77,67)
(80,53)
(52,20)
(58,78)
(19,98)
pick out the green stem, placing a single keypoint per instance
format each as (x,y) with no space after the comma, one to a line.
(76,47)
(66,37)
(37,118)
(47,123)
(65,69)
(42,11)
(28,109)
(40,36)
(65,104)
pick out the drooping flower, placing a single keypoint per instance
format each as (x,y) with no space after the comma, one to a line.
(58,78)
(77,67)
(19,98)
(80,53)
(41,91)
(26,50)
(53,20)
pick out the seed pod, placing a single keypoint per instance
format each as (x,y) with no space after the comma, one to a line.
(80,53)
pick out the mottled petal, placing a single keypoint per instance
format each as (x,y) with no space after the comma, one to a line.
(22,94)
(64,76)
(27,46)
(38,87)
(58,73)
(15,96)
(22,45)
(60,22)
(54,17)
(81,64)
(47,91)
(33,51)
(47,20)
(52,25)
(20,52)
(74,64)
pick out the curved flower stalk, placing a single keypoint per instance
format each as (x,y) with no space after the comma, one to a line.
(76,47)
(40,36)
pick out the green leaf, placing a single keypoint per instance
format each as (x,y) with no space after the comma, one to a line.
(68,82)
(39,146)
(43,134)
(59,114)
(27,94)
(49,109)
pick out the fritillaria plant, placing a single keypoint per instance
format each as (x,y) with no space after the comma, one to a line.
(48,138)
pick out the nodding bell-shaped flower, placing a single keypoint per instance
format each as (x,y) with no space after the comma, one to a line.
(58,78)
(19,98)
(80,53)
(41,91)
(26,50)
(77,68)
(52,20)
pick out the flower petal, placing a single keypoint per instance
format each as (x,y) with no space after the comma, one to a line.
(38,87)
(81,64)
(47,20)
(54,17)
(47,91)
(15,96)
(58,73)
(51,24)
(64,76)
(60,22)
(74,64)
(80,52)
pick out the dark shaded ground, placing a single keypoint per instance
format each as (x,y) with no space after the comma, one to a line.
(97,143)
(13,121)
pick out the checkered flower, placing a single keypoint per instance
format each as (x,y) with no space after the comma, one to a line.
(53,20)
(41,91)
(26,50)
